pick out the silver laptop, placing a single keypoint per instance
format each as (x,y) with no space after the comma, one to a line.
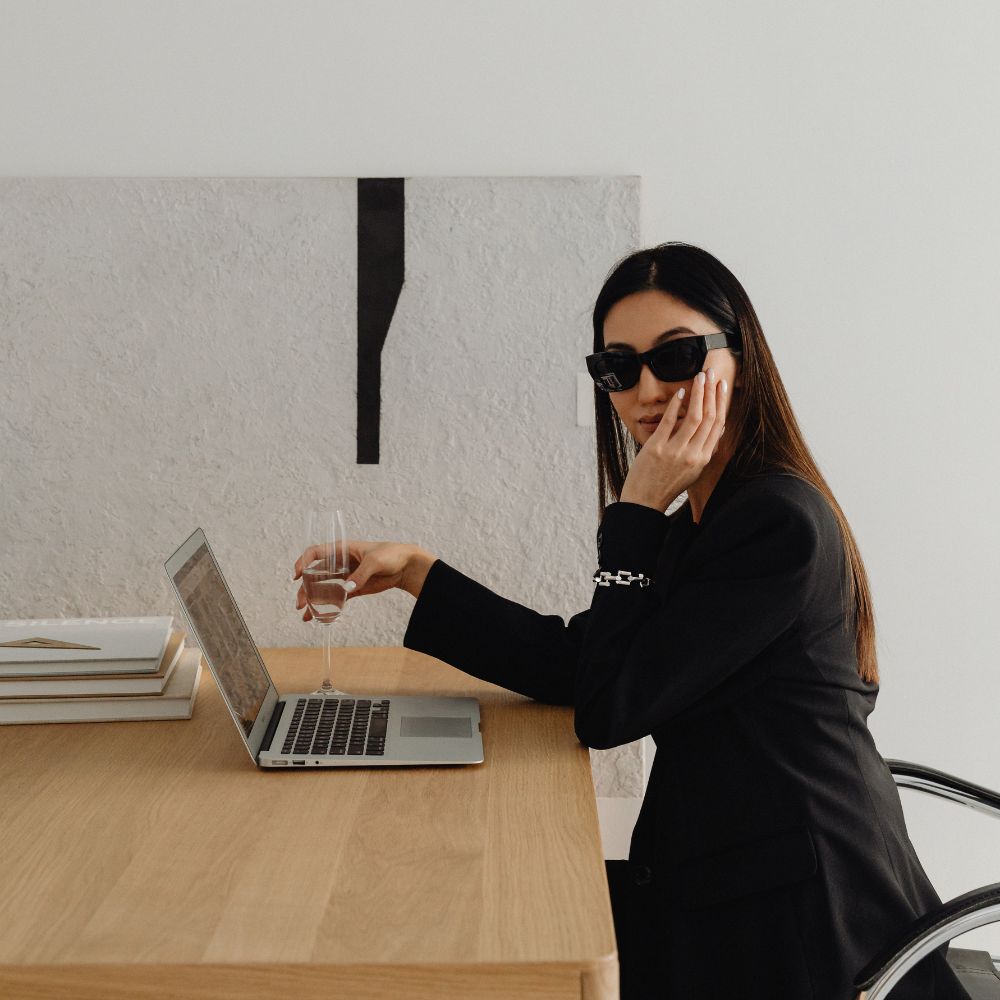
(303,730)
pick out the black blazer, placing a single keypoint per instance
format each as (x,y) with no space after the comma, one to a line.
(770,857)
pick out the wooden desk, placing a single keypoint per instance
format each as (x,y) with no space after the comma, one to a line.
(154,859)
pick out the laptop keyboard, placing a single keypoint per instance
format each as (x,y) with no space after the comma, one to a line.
(348,726)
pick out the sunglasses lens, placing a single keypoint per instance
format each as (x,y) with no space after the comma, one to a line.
(679,360)
(613,370)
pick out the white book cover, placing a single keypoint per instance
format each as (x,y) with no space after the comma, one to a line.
(69,685)
(35,647)
(175,702)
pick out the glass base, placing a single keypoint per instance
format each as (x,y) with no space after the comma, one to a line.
(330,691)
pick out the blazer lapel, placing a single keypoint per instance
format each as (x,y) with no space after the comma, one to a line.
(683,530)
(728,482)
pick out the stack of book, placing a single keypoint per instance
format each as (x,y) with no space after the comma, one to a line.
(96,670)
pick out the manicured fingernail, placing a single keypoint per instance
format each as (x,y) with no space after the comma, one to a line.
(725,388)
(711,374)
(680,393)
(701,378)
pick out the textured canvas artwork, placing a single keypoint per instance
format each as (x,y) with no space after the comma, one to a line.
(224,352)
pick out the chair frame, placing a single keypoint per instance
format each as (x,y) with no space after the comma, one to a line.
(972,909)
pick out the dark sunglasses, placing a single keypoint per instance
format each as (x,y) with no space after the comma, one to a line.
(675,361)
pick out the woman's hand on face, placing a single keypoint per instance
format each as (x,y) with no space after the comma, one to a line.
(374,567)
(676,453)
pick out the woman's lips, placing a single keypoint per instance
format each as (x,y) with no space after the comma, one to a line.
(653,423)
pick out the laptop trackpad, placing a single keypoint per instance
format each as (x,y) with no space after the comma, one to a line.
(434,725)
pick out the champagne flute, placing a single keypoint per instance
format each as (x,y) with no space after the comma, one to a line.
(323,581)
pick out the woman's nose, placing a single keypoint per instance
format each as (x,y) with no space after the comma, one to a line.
(648,382)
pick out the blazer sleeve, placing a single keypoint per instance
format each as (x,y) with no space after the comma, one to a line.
(458,620)
(645,657)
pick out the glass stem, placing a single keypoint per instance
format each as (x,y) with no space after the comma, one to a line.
(327,658)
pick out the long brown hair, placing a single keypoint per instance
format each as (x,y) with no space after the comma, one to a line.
(766,434)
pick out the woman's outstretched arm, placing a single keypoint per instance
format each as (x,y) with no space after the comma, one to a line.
(488,636)
(635,658)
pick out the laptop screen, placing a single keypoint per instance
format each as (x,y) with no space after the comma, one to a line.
(222,635)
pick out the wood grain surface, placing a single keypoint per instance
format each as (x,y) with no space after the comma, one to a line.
(154,859)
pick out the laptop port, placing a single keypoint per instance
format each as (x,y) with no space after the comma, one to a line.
(302,762)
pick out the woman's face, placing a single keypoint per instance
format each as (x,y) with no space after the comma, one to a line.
(641,321)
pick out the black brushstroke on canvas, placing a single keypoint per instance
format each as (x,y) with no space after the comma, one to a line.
(380,279)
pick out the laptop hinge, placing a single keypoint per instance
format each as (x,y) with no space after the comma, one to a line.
(272,726)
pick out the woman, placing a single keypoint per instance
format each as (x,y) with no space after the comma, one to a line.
(770,857)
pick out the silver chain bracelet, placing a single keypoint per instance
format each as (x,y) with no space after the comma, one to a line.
(603,578)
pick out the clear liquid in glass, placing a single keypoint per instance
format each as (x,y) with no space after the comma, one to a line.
(324,589)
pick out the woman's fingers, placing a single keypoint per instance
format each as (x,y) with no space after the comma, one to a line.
(670,417)
(304,560)
(355,549)
(355,553)
(310,555)
(668,422)
(300,603)
(709,391)
(720,416)
(713,415)
(692,419)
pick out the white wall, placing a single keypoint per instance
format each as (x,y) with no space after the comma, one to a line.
(840,158)
(183,352)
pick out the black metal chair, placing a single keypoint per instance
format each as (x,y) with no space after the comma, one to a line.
(976,908)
